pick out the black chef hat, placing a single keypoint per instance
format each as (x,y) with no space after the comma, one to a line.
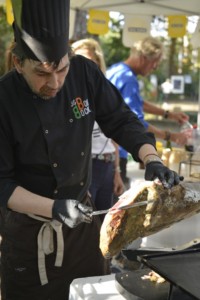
(41,28)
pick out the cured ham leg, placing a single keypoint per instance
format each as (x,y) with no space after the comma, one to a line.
(121,227)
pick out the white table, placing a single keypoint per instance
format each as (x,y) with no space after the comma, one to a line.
(94,288)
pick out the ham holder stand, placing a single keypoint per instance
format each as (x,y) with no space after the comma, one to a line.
(180,267)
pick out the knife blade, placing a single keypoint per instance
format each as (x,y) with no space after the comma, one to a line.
(105,211)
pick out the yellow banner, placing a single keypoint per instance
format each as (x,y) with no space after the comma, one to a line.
(9,12)
(177,26)
(98,22)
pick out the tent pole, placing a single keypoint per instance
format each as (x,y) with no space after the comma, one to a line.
(198,116)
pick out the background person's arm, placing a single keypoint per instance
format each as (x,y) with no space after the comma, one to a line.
(118,183)
(179,117)
(180,138)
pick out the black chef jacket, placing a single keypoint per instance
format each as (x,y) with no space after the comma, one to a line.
(46,145)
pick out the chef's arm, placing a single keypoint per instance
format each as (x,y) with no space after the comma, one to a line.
(154,167)
(23,201)
(148,153)
(70,212)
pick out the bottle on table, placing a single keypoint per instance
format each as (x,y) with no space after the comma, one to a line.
(190,143)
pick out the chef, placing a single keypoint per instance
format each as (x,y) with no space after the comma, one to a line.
(48,105)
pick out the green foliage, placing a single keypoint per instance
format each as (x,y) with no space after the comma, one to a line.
(172,63)
(6,36)
(111,43)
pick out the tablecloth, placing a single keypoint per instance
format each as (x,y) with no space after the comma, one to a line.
(94,288)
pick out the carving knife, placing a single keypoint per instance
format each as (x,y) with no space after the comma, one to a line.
(105,211)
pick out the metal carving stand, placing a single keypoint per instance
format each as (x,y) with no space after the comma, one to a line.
(179,266)
(181,269)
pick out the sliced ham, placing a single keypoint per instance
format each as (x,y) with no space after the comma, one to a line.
(121,227)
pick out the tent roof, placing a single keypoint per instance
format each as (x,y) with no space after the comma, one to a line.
(141,7)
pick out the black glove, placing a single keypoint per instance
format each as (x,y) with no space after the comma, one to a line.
(71,212)
(167,177)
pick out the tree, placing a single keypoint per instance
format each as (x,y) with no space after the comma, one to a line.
(111,43)
(6,36)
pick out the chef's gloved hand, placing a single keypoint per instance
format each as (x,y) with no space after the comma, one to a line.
(167,177)
(71,212)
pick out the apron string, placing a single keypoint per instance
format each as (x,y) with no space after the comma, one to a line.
(46,245)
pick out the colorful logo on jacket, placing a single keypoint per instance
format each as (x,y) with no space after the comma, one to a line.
(80,107)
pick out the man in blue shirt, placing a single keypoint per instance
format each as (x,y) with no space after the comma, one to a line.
(144,57)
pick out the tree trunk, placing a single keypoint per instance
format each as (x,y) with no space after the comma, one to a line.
(80,27)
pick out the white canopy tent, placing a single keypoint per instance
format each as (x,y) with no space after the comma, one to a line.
(142,7)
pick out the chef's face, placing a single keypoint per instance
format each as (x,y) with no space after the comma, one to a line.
(44,79)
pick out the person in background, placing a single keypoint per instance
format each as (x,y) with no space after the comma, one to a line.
(145,56)
(49,103)
(8,57)
(166,88)
(106,179)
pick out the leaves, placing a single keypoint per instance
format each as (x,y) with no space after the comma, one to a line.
(6,36)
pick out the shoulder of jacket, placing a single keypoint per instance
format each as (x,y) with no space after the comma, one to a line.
(7,76)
